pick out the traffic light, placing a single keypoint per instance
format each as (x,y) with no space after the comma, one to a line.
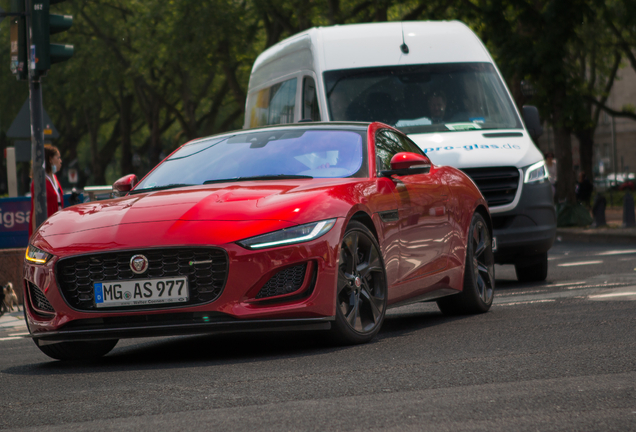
(43,24)
(18,41)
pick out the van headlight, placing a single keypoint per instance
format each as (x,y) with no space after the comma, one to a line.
(37,256)
(535,173)
(287,236)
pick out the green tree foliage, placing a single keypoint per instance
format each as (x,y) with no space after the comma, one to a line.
(149,75)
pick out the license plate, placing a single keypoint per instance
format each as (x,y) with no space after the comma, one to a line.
(141,292)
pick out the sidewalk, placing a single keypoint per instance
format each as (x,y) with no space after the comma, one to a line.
(12,320)
(612,233)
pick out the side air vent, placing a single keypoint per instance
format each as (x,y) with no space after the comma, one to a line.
(284,282)
(39,301)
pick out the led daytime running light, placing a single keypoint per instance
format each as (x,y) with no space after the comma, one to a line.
(318,230)
(37,256)
(533,168)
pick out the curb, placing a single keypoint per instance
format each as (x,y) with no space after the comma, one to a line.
(597,235)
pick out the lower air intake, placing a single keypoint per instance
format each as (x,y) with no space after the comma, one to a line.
(39,300)
(284,282)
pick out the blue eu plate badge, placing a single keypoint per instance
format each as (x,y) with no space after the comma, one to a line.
(99,294)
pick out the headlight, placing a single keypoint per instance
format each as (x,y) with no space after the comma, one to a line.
(536,172)
(297,234)
(37,256)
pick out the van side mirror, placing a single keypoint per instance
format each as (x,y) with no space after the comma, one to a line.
(533,122)
(124,185)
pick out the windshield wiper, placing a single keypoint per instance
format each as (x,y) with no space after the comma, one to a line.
(158,188)
(265,177)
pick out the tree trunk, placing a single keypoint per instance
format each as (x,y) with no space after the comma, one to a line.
(126,101)
(565,176)
(586,151)
(97,165)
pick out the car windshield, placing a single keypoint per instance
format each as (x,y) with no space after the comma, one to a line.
(422,98)
(262,155)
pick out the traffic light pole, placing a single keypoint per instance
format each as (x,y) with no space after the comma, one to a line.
(37,134)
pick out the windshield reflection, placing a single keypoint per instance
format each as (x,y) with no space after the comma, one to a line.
(262,155)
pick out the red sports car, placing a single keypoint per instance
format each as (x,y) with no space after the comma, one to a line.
(317,226)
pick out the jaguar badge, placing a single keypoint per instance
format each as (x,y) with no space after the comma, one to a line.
(139,264)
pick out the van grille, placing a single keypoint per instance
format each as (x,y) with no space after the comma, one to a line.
(76,276)
(498,185)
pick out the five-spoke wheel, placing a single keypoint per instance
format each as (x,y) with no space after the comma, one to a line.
(479,273)
(361,288)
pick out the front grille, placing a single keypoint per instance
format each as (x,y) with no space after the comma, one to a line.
(205,268)
(498,185)
(284,282)
(39,300)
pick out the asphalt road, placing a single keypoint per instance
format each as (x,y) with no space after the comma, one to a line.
(560,355)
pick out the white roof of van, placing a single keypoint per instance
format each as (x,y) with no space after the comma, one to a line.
(378,44)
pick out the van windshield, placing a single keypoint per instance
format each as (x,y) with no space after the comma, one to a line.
(422,98)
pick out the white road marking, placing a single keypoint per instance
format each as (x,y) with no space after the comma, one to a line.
(579,263)
(617,252)
(618,294)
(564,284)
(525,302)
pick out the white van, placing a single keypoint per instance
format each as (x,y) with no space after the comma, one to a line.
(436,82)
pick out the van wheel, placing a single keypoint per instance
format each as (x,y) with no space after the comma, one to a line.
(479,274)
(81,350)
(533,268)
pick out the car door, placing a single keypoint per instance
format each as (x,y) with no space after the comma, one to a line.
(424,222)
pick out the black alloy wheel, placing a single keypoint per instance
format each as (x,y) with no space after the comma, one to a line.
(479,273)
(361,297)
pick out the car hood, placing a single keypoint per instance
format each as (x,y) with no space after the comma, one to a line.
(290,202)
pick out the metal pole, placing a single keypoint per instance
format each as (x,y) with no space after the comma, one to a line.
(614,147)
(37,132)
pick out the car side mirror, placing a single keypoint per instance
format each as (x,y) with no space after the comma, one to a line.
(406,163)
(124,185)
(533,122)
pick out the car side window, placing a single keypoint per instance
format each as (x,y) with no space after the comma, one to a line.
(310,100)
(274,105)
(408,144)
(388,144)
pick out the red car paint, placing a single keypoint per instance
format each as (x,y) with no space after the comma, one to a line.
(421,223)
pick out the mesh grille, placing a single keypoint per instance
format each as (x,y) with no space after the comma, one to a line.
(284,282)
(206,277)
(39,300)
(498,185)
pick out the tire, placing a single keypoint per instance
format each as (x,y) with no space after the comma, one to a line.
(533,268)
(479,274)
(361,289)
(82,350)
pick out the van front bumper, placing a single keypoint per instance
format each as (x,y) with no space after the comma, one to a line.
(528,229)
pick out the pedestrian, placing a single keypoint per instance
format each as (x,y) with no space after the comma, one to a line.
(54,193)
(584,189)
(551,166)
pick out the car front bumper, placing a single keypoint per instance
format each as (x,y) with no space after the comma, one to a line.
(237,308)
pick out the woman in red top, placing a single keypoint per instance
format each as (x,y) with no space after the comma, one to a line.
(54,193)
